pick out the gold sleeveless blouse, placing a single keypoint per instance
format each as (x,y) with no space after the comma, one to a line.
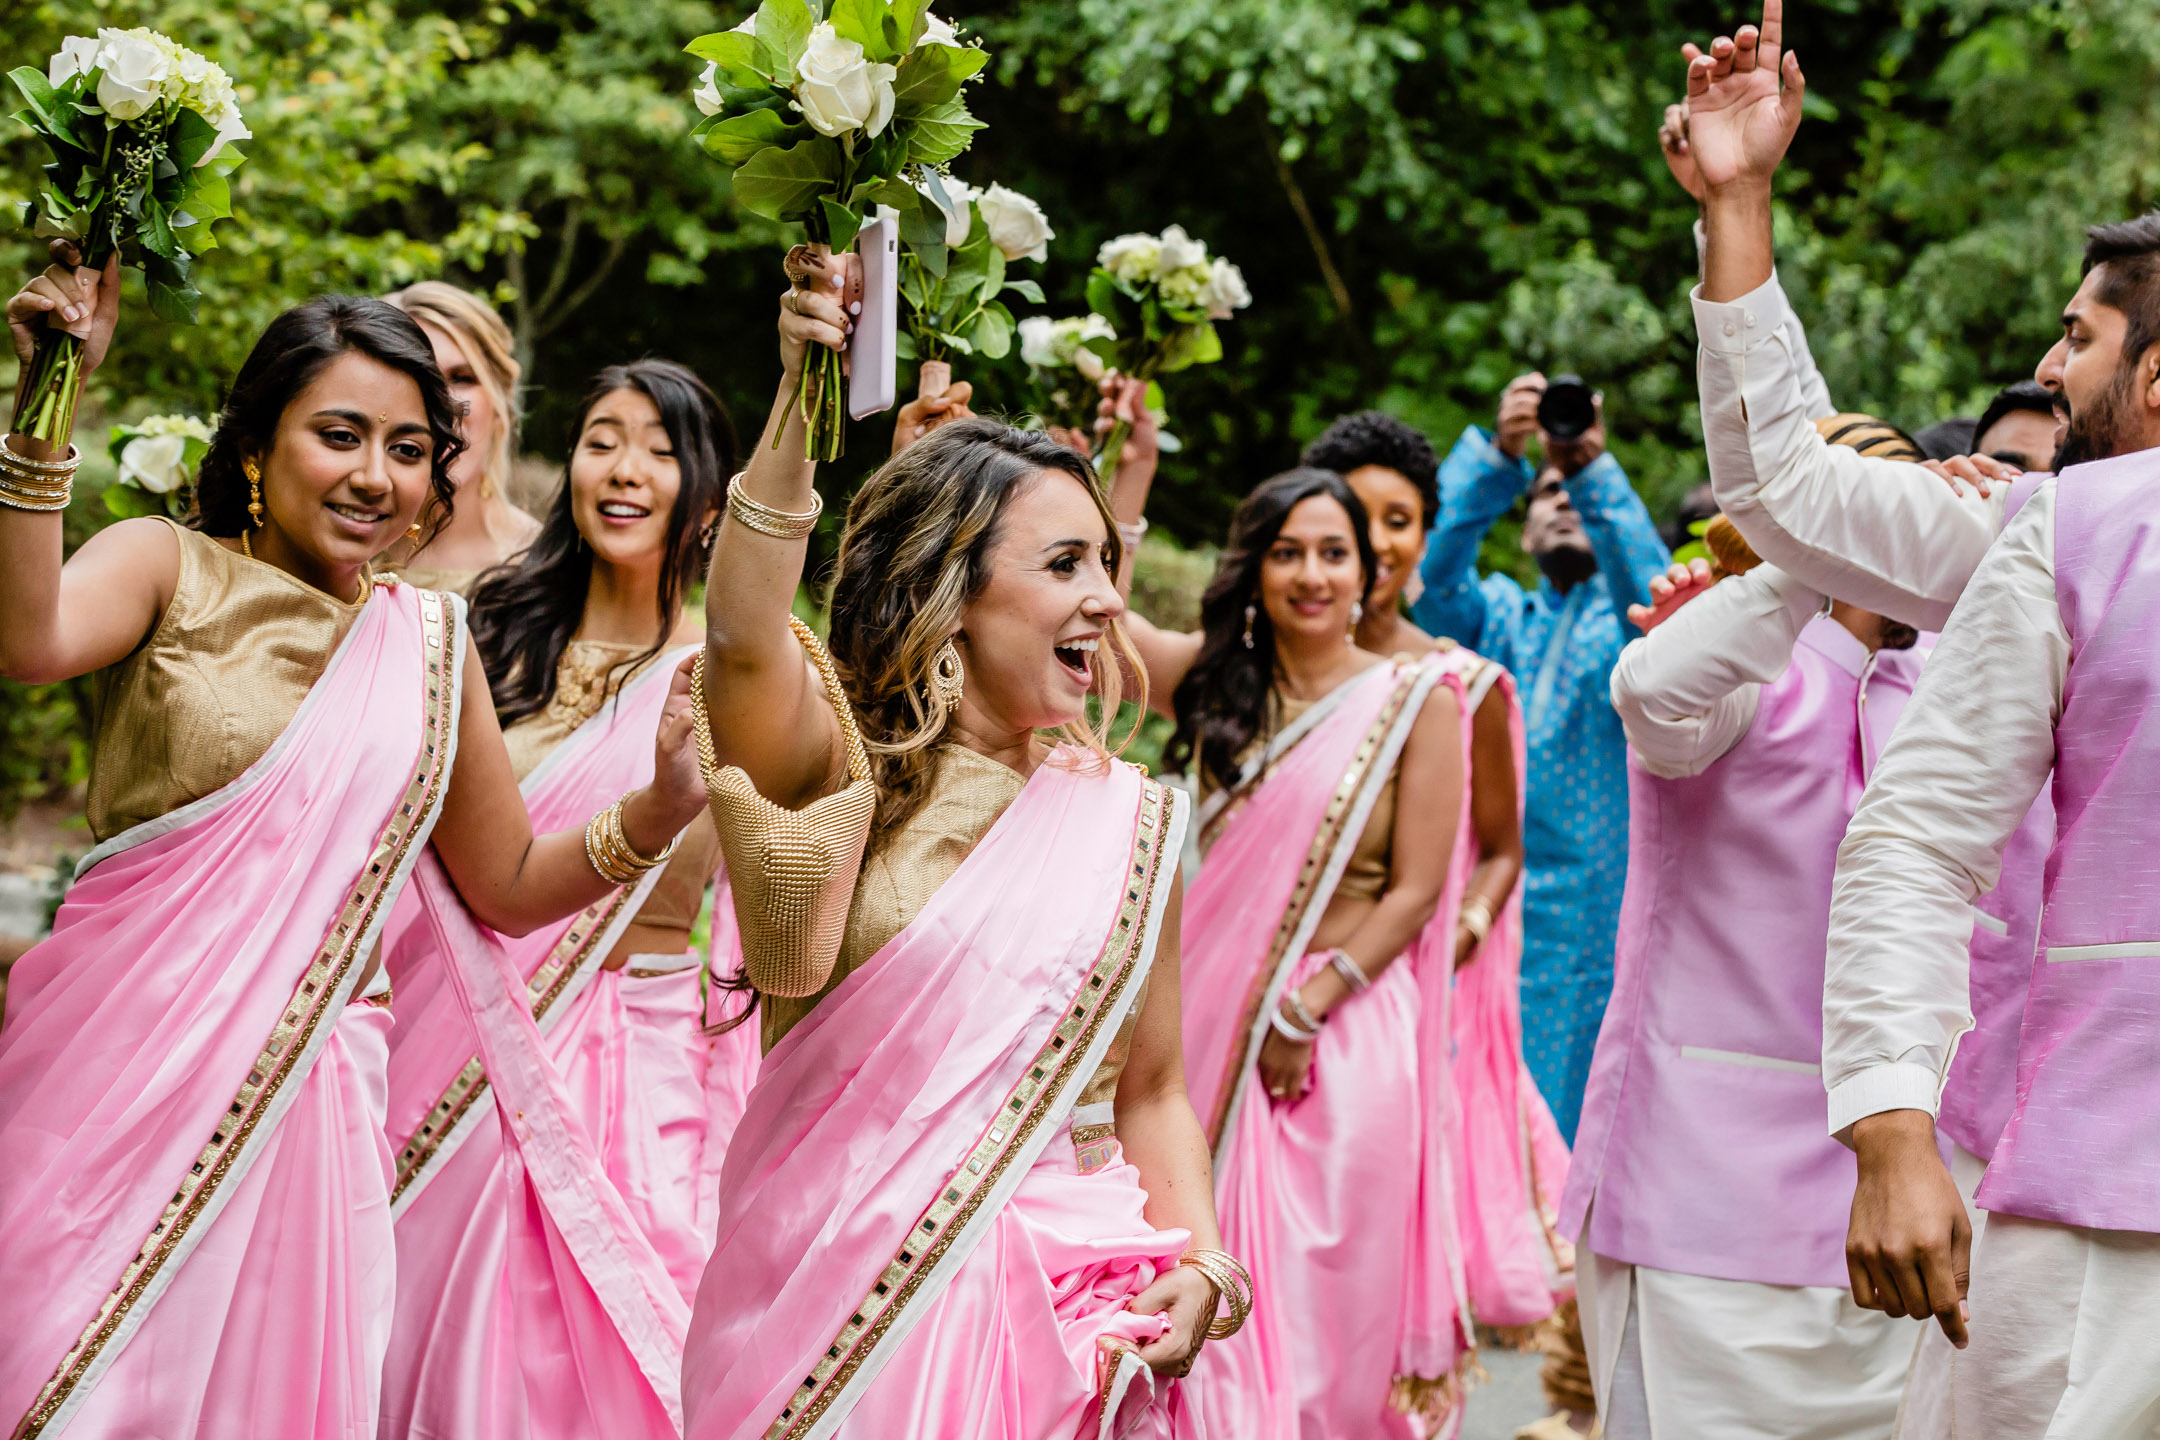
(1372,863)
(213,687)
(590,671)
(967,795)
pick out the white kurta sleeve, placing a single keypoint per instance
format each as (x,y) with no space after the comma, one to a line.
(1886,535)
(1686,693)
(1973,748)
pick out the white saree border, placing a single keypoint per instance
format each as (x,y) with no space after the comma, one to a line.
(1278,746)
(559,979)
(954,1223)
(1341,825)
(298,1039)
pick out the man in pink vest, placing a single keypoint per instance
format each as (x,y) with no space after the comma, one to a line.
(1708,1198)
(2049,662)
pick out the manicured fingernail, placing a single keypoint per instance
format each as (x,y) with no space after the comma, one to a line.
(836,282)
(74,312)
(854,307)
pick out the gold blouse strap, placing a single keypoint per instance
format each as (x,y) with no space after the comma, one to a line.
(793,872)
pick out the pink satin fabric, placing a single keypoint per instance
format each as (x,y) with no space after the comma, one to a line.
(733,1058)
(480,1348)
(131,1032)
(862,1117)
(1341,1202)
(1512,1163)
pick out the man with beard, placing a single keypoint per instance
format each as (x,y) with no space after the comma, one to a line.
(1598,551)
(2047,663)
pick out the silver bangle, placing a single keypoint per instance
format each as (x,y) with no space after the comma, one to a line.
(1131,535)
(1358,981)
(1282,1026)
(1299,1011)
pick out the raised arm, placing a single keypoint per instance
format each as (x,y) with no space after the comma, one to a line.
(1686,692)
(1630,553)
(767,707)
(1885,535)
(1480,480)
(1165,654)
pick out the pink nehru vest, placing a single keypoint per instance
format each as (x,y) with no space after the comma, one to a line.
(1982,1086)
(1703,1138)
(2083,1143)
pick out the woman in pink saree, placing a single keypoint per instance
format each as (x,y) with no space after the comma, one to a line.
(1322,942)
(968,1197)
(579,639)
(194,1210)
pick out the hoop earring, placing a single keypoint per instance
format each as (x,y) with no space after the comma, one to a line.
(947,677)
(1251,611)
(255,506)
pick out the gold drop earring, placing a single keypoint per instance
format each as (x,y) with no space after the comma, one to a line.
(255,506)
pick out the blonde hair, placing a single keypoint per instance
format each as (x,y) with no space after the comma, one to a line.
(914,554)
(487,343)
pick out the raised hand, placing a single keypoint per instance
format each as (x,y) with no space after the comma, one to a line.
(1668,592)
(1517,420)
(919,416)
(1743,103)
(71,297)
(1126,400)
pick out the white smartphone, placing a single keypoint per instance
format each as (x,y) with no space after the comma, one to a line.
(873,350)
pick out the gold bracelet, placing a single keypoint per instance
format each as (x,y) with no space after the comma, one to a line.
(612,855)
(1232,1282)
(1475,917)
(40,485)
(24,464)
(780,524)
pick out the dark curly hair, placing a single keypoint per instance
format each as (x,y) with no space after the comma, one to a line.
(285,361)
(1374,437)
(1222,703)
(525,610)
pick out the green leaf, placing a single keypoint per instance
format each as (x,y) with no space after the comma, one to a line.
(784,28)
(1026,290)
(841,223)
(940,133)
(958,342)
(738,137)
(991,332)
(904,23)
(1191,345)
(936,259)
(172,295)
(932,75)
(863,21)
(744,61)
(46,105)
(128,503)
(1102,295)
(207,196)
(904,345)
(156,233)
(787,183)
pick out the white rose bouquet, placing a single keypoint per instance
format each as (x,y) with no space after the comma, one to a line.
(1161,295)
(157,456)
(1062,369)
(949,285)
(141,133)
(821,114)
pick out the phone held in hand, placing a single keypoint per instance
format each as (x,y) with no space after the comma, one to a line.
(873,350)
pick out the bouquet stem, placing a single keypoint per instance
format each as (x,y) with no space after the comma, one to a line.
(1113,446)
(933,379)
(46,409)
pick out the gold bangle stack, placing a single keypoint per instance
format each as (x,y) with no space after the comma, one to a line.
(1232,1282)
(611,852)
(780,524)
(1475,917)
(43,485)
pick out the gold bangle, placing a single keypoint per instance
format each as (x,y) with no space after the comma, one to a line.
(610,852)
(1231,1281)
(779,524)
(1475,917)
(19,495)
(24,464)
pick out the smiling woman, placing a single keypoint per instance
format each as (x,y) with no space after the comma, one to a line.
(273,761)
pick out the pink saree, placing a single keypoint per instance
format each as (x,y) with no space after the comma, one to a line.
(194,1209)
(1511,1162)
(1341,1203)
(908,1245)
(500,1329)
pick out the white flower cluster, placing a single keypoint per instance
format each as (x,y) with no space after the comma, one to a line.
(1016,224)
(156,459)
(1179,268)
(139,69)
(838,88)
(1049,344)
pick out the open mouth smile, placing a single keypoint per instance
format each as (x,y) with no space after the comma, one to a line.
(1078,658)
(622,512)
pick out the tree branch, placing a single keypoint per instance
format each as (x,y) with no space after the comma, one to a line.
(587,287)
(1295,194)
(573,219)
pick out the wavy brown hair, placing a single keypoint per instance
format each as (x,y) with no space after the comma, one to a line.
(915,552)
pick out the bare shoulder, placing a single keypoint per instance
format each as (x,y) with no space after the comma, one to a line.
(138,553)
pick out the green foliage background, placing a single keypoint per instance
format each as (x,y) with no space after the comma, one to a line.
(1426,198)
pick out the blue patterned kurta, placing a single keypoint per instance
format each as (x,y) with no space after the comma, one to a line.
(1561,649)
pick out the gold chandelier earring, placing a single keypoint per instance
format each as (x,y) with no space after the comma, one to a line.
(947,678)
(255,506)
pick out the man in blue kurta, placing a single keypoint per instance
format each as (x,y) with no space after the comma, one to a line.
(1594,543)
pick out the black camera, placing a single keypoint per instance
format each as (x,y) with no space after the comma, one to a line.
(1566,410)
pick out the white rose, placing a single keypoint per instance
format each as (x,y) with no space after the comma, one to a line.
(78,56)
(1131,258)
(1038,342)
(954,207)
(1186,286)
(748,26)
(1017,225)
(840,89)
(135,67)
(1089,364)
(707,93)
(156,463)
(1180,250)
(938,32)
(1226,291)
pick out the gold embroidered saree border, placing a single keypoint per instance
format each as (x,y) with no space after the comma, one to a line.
(960,1202)
(1325,839)
(544,988)
(293,1034)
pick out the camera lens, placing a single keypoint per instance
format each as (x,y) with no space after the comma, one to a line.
(1565,410)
